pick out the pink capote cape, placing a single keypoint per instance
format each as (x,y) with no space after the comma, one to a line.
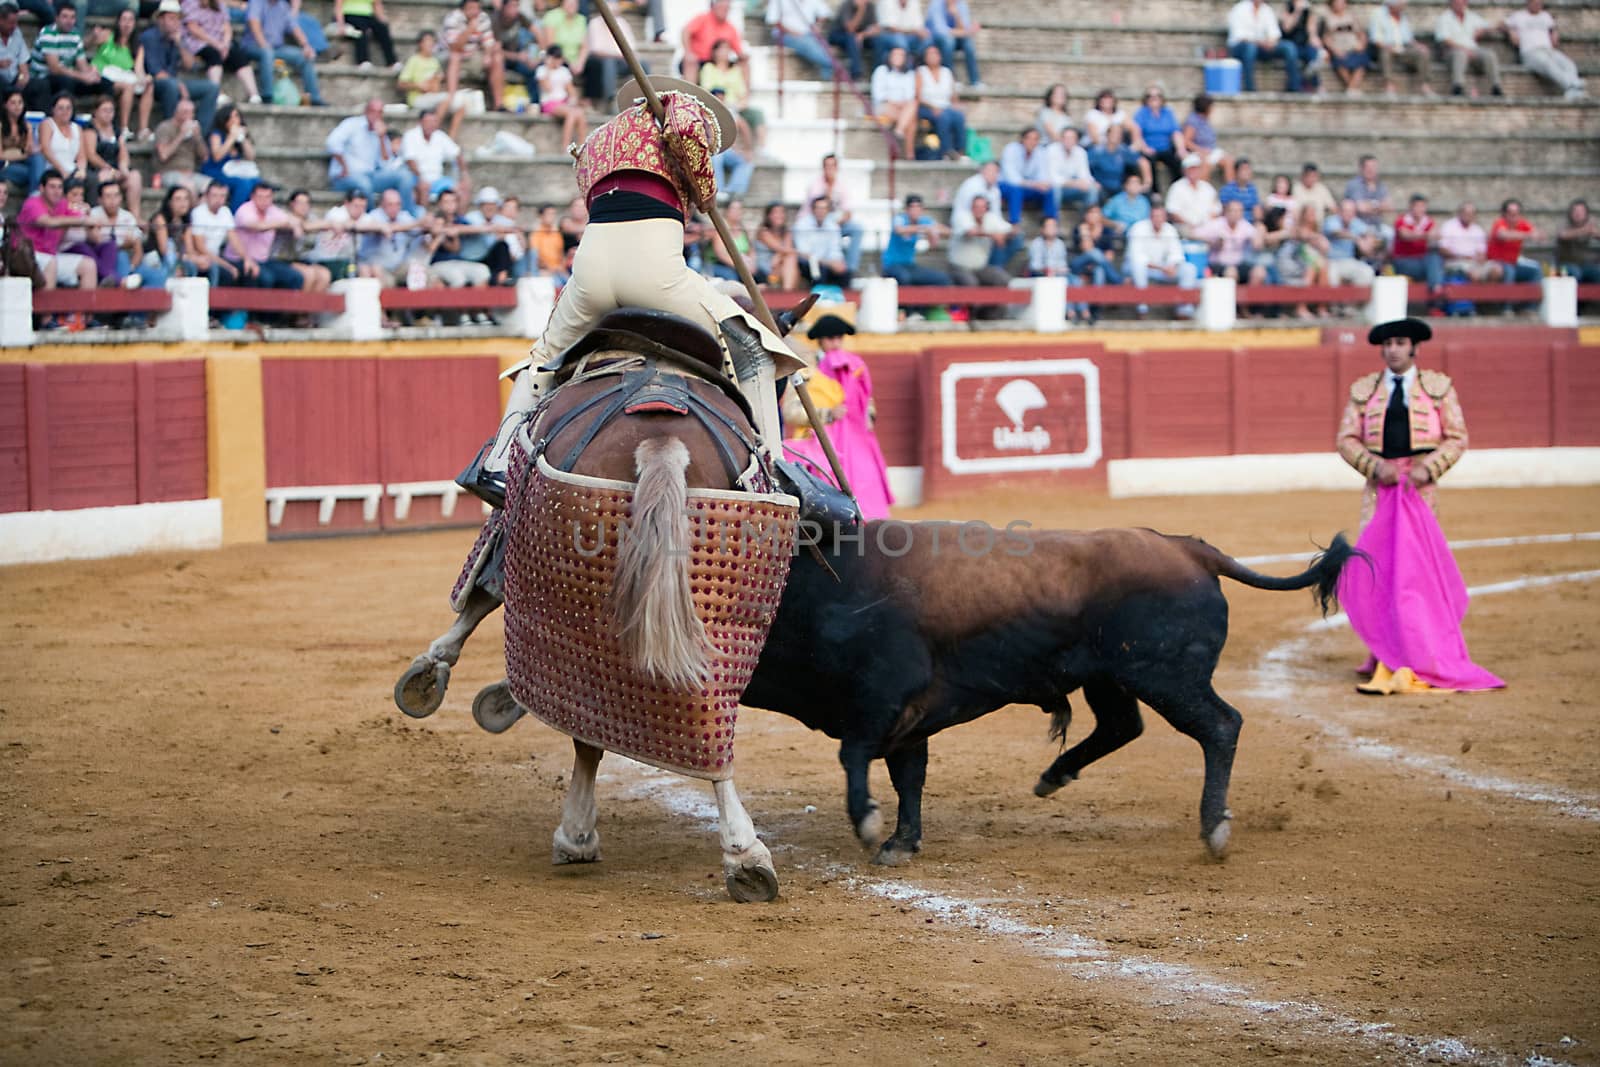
(1408,604)
(852,438)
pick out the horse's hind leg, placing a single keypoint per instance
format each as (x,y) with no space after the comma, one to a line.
(421,689)
(576,839)
(1116,722)
(746,863)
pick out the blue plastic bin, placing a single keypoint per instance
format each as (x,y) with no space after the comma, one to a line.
(1224,77)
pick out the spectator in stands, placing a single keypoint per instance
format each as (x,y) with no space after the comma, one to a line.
(371,22)
(1253,32)
(1025,176)
(1578,245)
(1299,25)
(951,27)
(777,259)
(120,228)
(256,227)
(1091,240)
(894,99)
(278,35)
(519,47)
(447,267)
(821,245)
(1114,161)
(985,183)
(62,141)
(1299,252)
(1232,242)
(701,34)
(391,240)
(108,152)
(801,25)
(723,265)
(900,256)
(1127,207)
(468,37)
(1389,35)
(1340,32)
(936,91)
(573,222)
(14,50)
(724,76)
(296,244)
(208,36)
(338,232)
(180,149)
(828,184)
(1047,253)
(1191,200)
(422,80)
(1070,177)
(88,241)
(601,62)
(114,58)
(166,242)
(21,162)
(1201,140)
(44,219)
(1052,116)
(853,29)
(1457,31)
(973,253)
(1155,254)
(1312,196)
(429,154)
(231,156)
(900,25)
(1506,236)
(1105,114)
(1369,192)
(1353,245)
(1281,194)
(1243,189)
(1533,31)
(59,63)
(1465,247)
(547,247)
(1161,139)
(733,171)
(564,25)
(559,99)
(211,231)
(484,237)
(1413,253)
(357,149)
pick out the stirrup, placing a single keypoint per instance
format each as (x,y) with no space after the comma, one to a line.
(488,486)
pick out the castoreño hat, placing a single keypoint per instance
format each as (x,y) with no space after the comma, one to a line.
(727,130)
(1415,329)
(829,326)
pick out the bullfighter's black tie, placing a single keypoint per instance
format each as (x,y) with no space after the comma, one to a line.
(1396,421)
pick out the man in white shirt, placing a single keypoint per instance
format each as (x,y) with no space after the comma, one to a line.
(1457,31)
(428,151)
(118,225)
(900,25)
(985,183)
(1253,33)
(828,184)
(973,252)
(820,244)
(1068,165)
(357,149)
(804,25)
(1533,31)
(336,245)
(212,221)
(1390,35)
(1465,246)
(1025,177)
(1155,254)
(1191,200)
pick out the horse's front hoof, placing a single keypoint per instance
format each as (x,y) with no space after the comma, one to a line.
(753,885)
(895,854)
(1217,839)
(494,709)
(420,690)
(585,848)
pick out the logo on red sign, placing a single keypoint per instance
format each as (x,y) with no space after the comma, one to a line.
(1019,415)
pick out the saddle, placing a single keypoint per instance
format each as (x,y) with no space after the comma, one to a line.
(650,333)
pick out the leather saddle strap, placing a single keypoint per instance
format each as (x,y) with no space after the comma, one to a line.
(706,414)
(621,396)
(628,341)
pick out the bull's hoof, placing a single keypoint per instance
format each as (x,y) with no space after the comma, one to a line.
(753,885)
(869,831)
(1044,786)
(585,848)
(494,709)
(1217,839)
(895,854)
(420,690)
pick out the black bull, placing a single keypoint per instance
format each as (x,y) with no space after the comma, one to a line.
(927,629)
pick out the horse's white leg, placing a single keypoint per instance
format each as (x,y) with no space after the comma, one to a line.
(447,647)
(746,863)
(577,840)
(420,690)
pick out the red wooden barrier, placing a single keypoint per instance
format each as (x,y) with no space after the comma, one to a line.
(472,297)
(285,301)
(100,301)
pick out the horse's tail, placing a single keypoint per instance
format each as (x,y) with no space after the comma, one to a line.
(660,631)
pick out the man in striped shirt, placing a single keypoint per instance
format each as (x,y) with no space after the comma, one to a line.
(59,63)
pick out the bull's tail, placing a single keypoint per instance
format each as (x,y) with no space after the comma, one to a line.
(660,631)
(1322,575)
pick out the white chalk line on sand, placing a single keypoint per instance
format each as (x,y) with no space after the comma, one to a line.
(1278,679)
(1458,546)
(1090,959)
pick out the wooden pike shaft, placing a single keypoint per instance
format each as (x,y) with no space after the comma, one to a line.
(764,313)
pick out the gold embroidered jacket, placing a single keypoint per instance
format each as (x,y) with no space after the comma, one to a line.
(633,141)
(1437,424)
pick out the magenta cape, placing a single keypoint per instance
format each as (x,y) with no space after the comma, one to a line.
(1407,605)
(852,438)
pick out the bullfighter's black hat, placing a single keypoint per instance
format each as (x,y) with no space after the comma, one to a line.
(1415,329)
(829,326)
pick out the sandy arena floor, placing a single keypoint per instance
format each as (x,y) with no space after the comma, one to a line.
(222,841)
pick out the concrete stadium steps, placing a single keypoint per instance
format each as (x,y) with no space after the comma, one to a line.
(1571,15)
(407,18)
